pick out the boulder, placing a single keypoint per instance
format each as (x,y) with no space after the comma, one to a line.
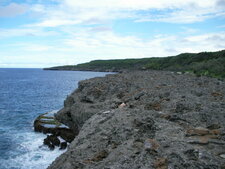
(54,140)
(48,143)
(47,124)
(66,134)
(63,145)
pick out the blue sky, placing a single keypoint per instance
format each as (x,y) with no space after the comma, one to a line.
(44,33)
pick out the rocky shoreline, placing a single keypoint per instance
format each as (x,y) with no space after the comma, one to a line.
(57,134)
(145,119)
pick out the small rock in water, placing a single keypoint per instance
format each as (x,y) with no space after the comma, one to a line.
(51,141)
(46,123)
(46,141)
(63,145)
(54,140)
(51,147)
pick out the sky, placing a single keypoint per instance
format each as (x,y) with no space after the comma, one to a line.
(45,33)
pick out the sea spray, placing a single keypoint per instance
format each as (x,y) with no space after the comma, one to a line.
(24,95)
(31,153)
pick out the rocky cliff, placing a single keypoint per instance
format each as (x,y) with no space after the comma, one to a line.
(145,119)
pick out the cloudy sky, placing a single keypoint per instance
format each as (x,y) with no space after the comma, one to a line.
(43,33)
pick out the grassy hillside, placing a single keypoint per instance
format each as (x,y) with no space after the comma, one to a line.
(204,63)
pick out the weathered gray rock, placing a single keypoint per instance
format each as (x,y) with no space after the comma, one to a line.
(146,119)
(46,123)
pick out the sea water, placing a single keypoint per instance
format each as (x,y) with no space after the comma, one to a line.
(25,94)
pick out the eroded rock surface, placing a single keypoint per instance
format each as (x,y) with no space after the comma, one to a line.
(145,119)
(47,124)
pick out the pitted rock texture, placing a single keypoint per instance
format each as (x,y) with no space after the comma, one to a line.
(145,119)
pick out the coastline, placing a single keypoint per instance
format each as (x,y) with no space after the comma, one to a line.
(57,134)
(83,70)
(27,93)
(209,64)
(129,120)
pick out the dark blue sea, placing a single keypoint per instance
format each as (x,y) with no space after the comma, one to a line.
(25,94)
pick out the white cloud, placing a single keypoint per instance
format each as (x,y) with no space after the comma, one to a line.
(189,30)
(86,46)
(186,14)
(13,9)
(36,47)
(108,45)
(5,33)
(55,23)
(137,4)
(83,30)
(72,12)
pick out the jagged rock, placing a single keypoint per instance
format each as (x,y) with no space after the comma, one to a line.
(47,123)
(63,145)
(67,134)
(51,146)
(54,140)
(47,142)
(51,141)
(169,121)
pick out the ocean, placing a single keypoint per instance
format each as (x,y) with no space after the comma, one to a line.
(25,94)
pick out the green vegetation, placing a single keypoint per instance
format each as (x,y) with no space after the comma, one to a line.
(204,63)
(48,120)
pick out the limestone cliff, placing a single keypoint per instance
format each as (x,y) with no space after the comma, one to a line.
(145,119)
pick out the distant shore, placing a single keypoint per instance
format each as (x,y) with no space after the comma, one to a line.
(80,69)
(205,63)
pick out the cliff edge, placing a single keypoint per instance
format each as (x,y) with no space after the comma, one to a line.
(145,119)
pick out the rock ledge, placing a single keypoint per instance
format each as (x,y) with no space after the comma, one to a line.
(58,133)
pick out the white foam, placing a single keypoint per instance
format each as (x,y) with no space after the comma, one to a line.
(62,140)
(34,156)
(53,112)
